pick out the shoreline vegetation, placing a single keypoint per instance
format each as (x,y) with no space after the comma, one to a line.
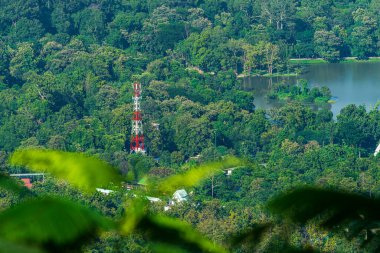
(300,92)
(295,61)
(217,155)
(291,74)
(307,61)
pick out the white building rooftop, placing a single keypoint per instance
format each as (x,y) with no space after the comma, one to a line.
(104,191)
(180,195)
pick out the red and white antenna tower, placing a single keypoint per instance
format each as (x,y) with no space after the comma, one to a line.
(137,136)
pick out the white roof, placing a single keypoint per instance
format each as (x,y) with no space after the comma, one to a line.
(153,199)
(104,191)
(377,150)
(181,193)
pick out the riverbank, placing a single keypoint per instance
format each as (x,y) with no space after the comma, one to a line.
(301,92)
(305,61)
(281,75)
(269,75)
(350,83)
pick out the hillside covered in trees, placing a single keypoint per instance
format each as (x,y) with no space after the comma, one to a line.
(66,74)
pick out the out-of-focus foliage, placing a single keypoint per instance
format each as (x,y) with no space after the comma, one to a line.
(66,69)
(252,236)
(82,171)
(354,215)
(55,225)
(9,247)
(164,232)
(59,225)
(174,234)
(194,176)
(10,184)
(134,213)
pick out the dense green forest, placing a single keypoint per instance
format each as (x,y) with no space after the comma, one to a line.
(66,74)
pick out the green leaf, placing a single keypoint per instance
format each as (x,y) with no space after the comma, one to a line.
(291,249)
(9,247)
(50,223)
(176,234)
(305,203)
(335,210)
(165,248)
(164,232)
(253,236)
(194,176)
(10,184)
(82,171)
(135,211)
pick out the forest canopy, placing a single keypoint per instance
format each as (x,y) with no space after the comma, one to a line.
(66,74)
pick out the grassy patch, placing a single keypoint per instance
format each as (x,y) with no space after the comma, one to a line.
(321,100)
(284,96)
(306,61)
(281,75)
(300,92)
(354,60)
(373,59)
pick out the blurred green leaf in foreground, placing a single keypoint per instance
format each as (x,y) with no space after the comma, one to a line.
(55,225)
(9,184)
(168,234)
(195,175)
(355,215)
(9,247)
(84,172)
(165,234)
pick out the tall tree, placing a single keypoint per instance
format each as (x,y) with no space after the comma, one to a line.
(327,45)
(363,37)
(277,12)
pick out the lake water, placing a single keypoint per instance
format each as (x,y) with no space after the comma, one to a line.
(350,83)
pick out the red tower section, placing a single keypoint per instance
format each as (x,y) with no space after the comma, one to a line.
(137,136)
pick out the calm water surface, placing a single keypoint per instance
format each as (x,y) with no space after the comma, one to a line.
(350,83)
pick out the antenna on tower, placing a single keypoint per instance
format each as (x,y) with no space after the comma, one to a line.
(137,136)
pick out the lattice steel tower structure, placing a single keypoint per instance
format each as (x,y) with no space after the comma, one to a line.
(137,135)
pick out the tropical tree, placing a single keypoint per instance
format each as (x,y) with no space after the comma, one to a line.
(327,45)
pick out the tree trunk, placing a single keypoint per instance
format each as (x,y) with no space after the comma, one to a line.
(212,186)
